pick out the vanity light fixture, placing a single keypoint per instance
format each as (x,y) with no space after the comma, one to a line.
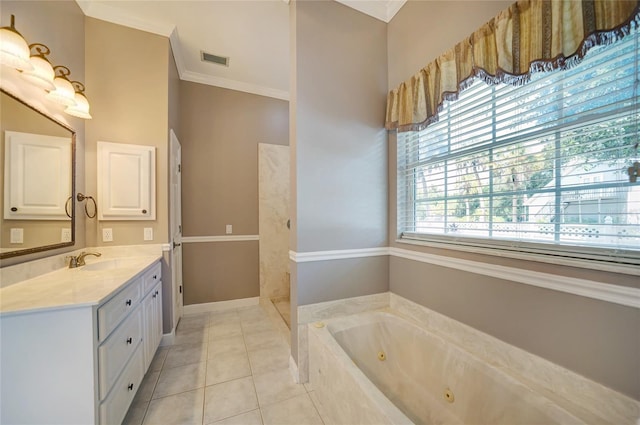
(81,108)
(14,49)
(15,52)
(64,92)
(42,74)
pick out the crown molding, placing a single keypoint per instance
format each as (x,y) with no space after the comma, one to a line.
(110,14)
(226,83)
(113,15)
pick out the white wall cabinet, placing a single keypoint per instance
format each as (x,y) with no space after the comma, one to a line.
(37,179)
(83,364)
(126,181)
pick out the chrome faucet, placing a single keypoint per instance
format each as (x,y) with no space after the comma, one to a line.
(79,260)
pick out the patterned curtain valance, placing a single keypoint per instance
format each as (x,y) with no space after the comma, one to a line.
(529,36)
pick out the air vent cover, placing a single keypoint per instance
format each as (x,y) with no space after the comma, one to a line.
(219,60)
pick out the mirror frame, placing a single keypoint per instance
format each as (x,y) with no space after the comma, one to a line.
(42,248)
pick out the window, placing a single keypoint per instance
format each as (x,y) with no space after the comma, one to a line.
(540,167)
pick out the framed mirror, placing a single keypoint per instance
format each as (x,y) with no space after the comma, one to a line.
(37,174)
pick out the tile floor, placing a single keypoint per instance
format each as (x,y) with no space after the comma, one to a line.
(228,367)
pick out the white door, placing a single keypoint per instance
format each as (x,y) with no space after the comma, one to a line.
(175,195)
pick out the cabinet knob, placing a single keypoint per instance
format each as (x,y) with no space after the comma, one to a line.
(129,340)
(128,302)
(144,211)
(14,209)
(155,277)
(130,387)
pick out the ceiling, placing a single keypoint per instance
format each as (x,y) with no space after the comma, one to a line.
(254,34)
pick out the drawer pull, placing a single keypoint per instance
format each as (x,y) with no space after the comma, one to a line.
(128,302)
(130,387)
(129,340)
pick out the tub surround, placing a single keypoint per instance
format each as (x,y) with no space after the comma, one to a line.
(326,310)
(567,391)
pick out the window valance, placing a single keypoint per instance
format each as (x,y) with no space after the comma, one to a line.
(529,36)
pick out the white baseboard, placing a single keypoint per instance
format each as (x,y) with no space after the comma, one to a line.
(220,305)
(293,368)
(168,339)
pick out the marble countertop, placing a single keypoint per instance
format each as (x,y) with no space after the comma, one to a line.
(71,288)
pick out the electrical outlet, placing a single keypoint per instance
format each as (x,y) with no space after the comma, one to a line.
(107,235)
(66,235)
(17,235)
(229,229)
(148,233)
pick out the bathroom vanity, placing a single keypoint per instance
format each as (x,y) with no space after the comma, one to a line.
(76,343)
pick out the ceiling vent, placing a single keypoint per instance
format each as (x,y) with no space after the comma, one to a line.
(218,60)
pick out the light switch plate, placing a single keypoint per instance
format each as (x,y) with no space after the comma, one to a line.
(107,235)
(148,233)
(65,235)
(17,235)
(229,229)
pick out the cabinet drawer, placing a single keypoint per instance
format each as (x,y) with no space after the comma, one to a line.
(114,310)
(114,408)
(117,349)
(151,277)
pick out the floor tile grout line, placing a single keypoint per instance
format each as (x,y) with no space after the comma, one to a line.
(313,403)
(282,400)
(245,325)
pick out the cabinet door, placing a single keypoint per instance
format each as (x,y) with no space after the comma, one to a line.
(157,294)
(152,312)
(126,182)
(37,176)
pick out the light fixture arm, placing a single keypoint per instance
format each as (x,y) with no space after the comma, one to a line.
(62,71)
(12,27)
(42,50)
(78,86)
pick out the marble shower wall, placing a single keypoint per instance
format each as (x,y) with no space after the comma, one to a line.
(273,205)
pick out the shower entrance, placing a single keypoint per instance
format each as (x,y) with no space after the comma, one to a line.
(273,216)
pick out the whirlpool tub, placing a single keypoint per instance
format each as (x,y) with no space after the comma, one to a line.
(378,368)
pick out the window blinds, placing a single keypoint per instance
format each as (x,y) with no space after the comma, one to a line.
(542,165)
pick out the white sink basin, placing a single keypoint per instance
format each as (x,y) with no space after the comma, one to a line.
(114,263)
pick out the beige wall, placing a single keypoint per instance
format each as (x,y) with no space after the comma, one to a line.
(127,70)
(60,26)
(427,29)
(597,339)
(220,131)
(339,183)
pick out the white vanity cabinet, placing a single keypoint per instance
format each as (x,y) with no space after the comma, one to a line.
(128,327)
(81,364)
(152,311)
